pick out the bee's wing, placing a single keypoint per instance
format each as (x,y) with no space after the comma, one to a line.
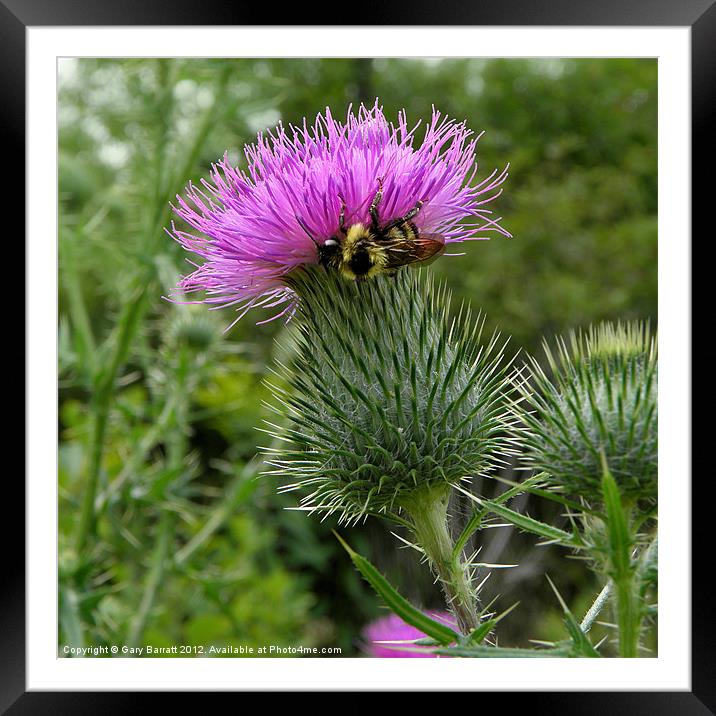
(425,248)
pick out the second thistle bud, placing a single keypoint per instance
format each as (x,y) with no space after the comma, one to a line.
(600,400)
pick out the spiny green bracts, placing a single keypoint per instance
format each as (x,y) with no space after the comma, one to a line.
(602,397)
(194,329)
(387,395)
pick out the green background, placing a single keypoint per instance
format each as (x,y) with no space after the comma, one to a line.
(166,537)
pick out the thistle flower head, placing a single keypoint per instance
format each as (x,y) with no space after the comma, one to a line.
(601,399)
(254,227)
(387,396)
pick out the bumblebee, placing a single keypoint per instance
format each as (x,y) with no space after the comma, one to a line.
(364,251)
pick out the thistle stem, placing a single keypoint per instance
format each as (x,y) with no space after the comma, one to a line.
(428,513)
(176,445)
(628,601)
(628,616)
(596,608)
(154,578)
(131,314)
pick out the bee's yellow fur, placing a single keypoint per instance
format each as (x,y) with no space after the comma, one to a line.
(360,236)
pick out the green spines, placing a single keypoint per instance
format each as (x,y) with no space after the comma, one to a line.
(386,386)
(601,398)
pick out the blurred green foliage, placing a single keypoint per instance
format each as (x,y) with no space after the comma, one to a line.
(166,535)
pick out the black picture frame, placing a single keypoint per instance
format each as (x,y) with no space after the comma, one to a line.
(699,15)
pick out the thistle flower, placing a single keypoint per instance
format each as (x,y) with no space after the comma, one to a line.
(379,634)
(387,399)
(253,226)
(602,399)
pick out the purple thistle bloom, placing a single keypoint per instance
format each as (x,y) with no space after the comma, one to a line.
(253,224)
(393,629)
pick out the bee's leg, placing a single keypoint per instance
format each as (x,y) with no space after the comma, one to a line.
(342,216)
(374,205)
(413,212)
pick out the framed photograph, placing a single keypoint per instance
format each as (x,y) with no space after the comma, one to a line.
(342,349)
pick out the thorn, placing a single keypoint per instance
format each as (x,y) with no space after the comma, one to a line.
(559,596)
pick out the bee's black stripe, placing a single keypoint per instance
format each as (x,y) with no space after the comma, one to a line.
(405,232)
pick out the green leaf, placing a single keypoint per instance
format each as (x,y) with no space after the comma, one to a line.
(478,635)
(475,521)
(569,504)
(496,652)
(397,603)
(531,525)
(425,641)
(532,486)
